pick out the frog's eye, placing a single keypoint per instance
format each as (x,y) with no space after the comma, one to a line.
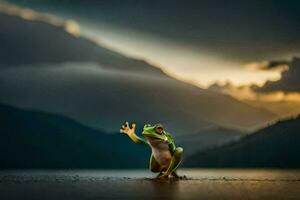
(147,125)
(159,128)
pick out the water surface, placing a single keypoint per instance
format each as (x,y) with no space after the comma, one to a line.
(139,184)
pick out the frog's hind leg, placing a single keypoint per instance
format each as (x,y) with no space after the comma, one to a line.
(175,161)
(154,165)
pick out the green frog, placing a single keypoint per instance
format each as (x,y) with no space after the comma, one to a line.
(165,157)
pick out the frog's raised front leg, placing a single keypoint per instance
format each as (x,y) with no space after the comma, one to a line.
(130,131)
(175,161)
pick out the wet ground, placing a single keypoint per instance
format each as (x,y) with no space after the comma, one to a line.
(139,184)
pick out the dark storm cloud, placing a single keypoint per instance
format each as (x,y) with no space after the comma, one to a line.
(276,64)
(238,30)
(290,81)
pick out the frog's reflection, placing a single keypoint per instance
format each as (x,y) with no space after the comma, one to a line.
(166,188)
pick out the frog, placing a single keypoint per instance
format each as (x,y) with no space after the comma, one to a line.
(165,157)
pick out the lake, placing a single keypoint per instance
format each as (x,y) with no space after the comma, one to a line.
(212,184)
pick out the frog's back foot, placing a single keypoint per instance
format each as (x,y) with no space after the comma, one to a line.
(175,175)
(162,176)
(183,178)
(159,175)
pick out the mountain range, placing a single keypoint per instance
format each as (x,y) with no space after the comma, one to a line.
(31,139)
(276,146)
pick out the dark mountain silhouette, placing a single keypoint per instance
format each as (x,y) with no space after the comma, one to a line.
(31,139)
(37,74)
(275,146)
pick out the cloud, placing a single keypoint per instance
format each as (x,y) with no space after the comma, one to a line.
(238,92)
(281,96)
(69,26)
(72,27)
(284,104)
(249,92)
(289,82)
(239,31)
(276,64)
(280,66)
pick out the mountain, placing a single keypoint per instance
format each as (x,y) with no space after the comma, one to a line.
(44,67)
(275,146)
(207,138)
(32,139)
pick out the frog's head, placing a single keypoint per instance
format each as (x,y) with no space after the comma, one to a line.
(153,131)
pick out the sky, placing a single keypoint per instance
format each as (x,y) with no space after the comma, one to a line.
(245,49)
(201,42)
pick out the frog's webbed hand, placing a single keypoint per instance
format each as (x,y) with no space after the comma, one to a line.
(126,129)
(130,131)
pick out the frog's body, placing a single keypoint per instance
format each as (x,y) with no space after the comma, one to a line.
(165,157)
(160,151)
